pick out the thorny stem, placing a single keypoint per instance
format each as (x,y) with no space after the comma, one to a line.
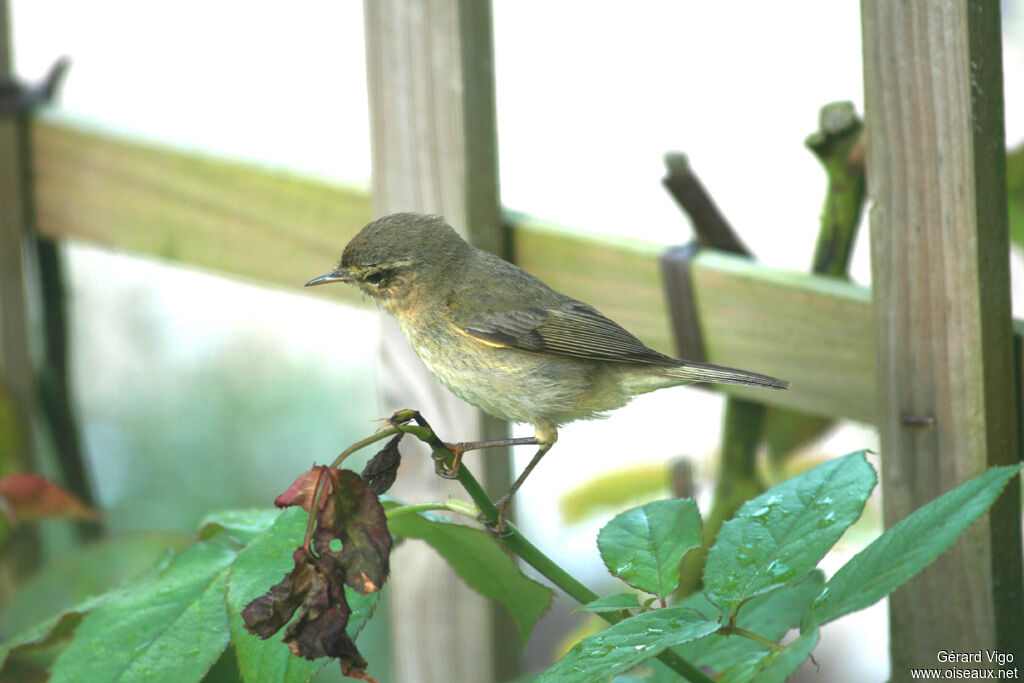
(518,544)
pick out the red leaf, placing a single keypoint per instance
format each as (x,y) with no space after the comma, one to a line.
(354,515)
(29,496)
(303,489)
(313,592)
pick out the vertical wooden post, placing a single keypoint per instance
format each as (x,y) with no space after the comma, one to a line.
(18,394)
(431,83)
(17,379)
(939,247)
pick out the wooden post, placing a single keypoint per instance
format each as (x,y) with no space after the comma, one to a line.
(432,116)
(945,373)
(18,394)
(17,378)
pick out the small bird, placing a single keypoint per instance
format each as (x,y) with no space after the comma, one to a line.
(502,340)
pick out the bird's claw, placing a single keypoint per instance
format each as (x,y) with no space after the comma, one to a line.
(500,527)
(442,470)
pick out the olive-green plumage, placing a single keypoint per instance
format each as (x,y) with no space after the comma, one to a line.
(500,338)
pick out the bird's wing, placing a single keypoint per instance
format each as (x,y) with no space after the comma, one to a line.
(568,329)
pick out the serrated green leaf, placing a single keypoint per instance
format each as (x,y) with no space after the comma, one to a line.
(172,628)
(241,525)
(611,603)
(644,546)
(619,648)
(62,626)
(482,564)
(773,667)
(172,624)
(908,547)
(778,537)
(51,631)
(771,615)
(261,564)
(71,577)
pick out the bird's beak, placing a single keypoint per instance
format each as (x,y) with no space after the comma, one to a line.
(336,275)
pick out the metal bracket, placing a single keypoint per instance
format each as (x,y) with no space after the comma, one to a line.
(713,231)
(19,98)
(675,273)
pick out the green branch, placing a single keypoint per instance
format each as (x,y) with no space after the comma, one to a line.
(750,635)
(521,546)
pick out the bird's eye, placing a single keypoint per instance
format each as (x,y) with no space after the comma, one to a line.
(375,278)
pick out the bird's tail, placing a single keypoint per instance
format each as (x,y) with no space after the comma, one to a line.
(706,372)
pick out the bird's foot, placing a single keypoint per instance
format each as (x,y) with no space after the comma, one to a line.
(500,527)
(444,471)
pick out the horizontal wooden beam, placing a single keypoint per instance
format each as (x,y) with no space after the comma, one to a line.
(282,229)
(238,218)
(811,330)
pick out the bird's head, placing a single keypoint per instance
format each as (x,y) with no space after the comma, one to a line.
(400,259)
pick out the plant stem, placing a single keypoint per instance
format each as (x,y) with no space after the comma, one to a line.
(314,509)
(518,544)
(737,631)
(460,506)
(383,434)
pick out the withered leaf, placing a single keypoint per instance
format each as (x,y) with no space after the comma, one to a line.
(314,590)
(382,469)
(303,489)
(29,496)
(354,515)
(265,615)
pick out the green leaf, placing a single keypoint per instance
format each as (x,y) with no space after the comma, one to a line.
(775,667)
(612,603)
(51,631)
(481,563)
(778,537)
(619,648)
(173,623)
(908,547)
(771,615)
(171,628)
(262,563)
(62,626)
(240,525)
(644,546)
(70,577)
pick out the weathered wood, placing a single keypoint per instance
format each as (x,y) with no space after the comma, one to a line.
(19,404)
(237,218)
(195,210)
(17,377)
(936,175)
(814,331)
(230,215)
(430,76)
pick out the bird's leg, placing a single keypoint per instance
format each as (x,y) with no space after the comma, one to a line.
(458,449)
(502,503)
